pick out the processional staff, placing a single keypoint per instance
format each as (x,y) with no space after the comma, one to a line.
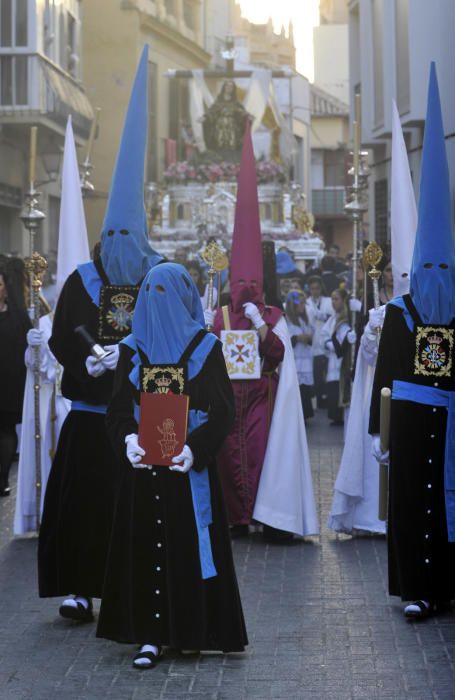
(36,266)
(373,256)
(216,259)
(356,207)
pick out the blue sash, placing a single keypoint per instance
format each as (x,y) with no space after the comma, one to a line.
(432,396)
(84,406)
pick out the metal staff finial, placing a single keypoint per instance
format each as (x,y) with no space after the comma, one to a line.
(373,256)
(217,260)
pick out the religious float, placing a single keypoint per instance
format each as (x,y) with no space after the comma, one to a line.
(197,200)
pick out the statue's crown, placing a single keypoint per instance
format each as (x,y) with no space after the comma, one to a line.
(163,381)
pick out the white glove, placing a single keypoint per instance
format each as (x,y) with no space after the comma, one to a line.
(329,345)
(186,456)
(252,312)
(133,451)
(110,362)
(351,336)
(376,451)
(209,317)
(376,318)
(94,367)
(34,337)
(355,305)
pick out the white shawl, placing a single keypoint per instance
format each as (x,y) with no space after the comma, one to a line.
(285,498)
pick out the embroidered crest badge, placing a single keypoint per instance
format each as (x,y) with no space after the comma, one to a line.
(163,379)
(434,351)
(116,312)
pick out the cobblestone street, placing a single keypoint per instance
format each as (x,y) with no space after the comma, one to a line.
(319,619)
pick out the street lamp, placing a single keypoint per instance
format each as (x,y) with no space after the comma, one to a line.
(51,163)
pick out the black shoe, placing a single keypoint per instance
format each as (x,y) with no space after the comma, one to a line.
(273,534)
(150,656)
(419,610)
(238,531)
(5,491)
(79,613)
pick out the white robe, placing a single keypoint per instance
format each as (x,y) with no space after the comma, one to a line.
(356,490)
(285,497)
(25,515)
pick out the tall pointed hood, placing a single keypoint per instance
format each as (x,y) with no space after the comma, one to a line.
(403,209)
(73,247)
(125,250)
(246,268)
(433,264)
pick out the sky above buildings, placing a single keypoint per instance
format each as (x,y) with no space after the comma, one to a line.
(305,16)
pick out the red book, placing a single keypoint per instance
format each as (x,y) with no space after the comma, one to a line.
(162,427)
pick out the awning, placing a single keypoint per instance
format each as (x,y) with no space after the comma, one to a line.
(69,98)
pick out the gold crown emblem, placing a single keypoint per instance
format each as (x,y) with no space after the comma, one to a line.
(122,299)
(163,381)
(435,339)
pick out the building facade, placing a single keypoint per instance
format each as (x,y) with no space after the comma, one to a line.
(174,30)
(391,45)
(329,166)
(40,84)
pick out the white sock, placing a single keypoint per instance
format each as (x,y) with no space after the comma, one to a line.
(84,601)
(147,647)
(412,607)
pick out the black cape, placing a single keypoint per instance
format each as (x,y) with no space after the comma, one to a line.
(153,588)
(14,325)
(419,553)
(80,493)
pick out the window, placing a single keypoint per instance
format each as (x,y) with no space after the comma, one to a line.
(178,112)
(13,23)
(334,168)
(13,81)
(72,48)
(21,23)
(62,40)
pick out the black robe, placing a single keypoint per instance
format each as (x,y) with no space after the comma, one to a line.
(419,554)
(153,589)
(80,493)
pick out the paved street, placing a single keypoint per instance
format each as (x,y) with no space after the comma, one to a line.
(319,620)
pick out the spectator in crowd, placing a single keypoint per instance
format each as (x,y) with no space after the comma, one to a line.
(334,252)
(301,332)
(328,274)
(338,337)
(319,309)
(386,284)
(195,271)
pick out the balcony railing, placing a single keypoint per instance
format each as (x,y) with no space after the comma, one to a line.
(328,201)
(31,85)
